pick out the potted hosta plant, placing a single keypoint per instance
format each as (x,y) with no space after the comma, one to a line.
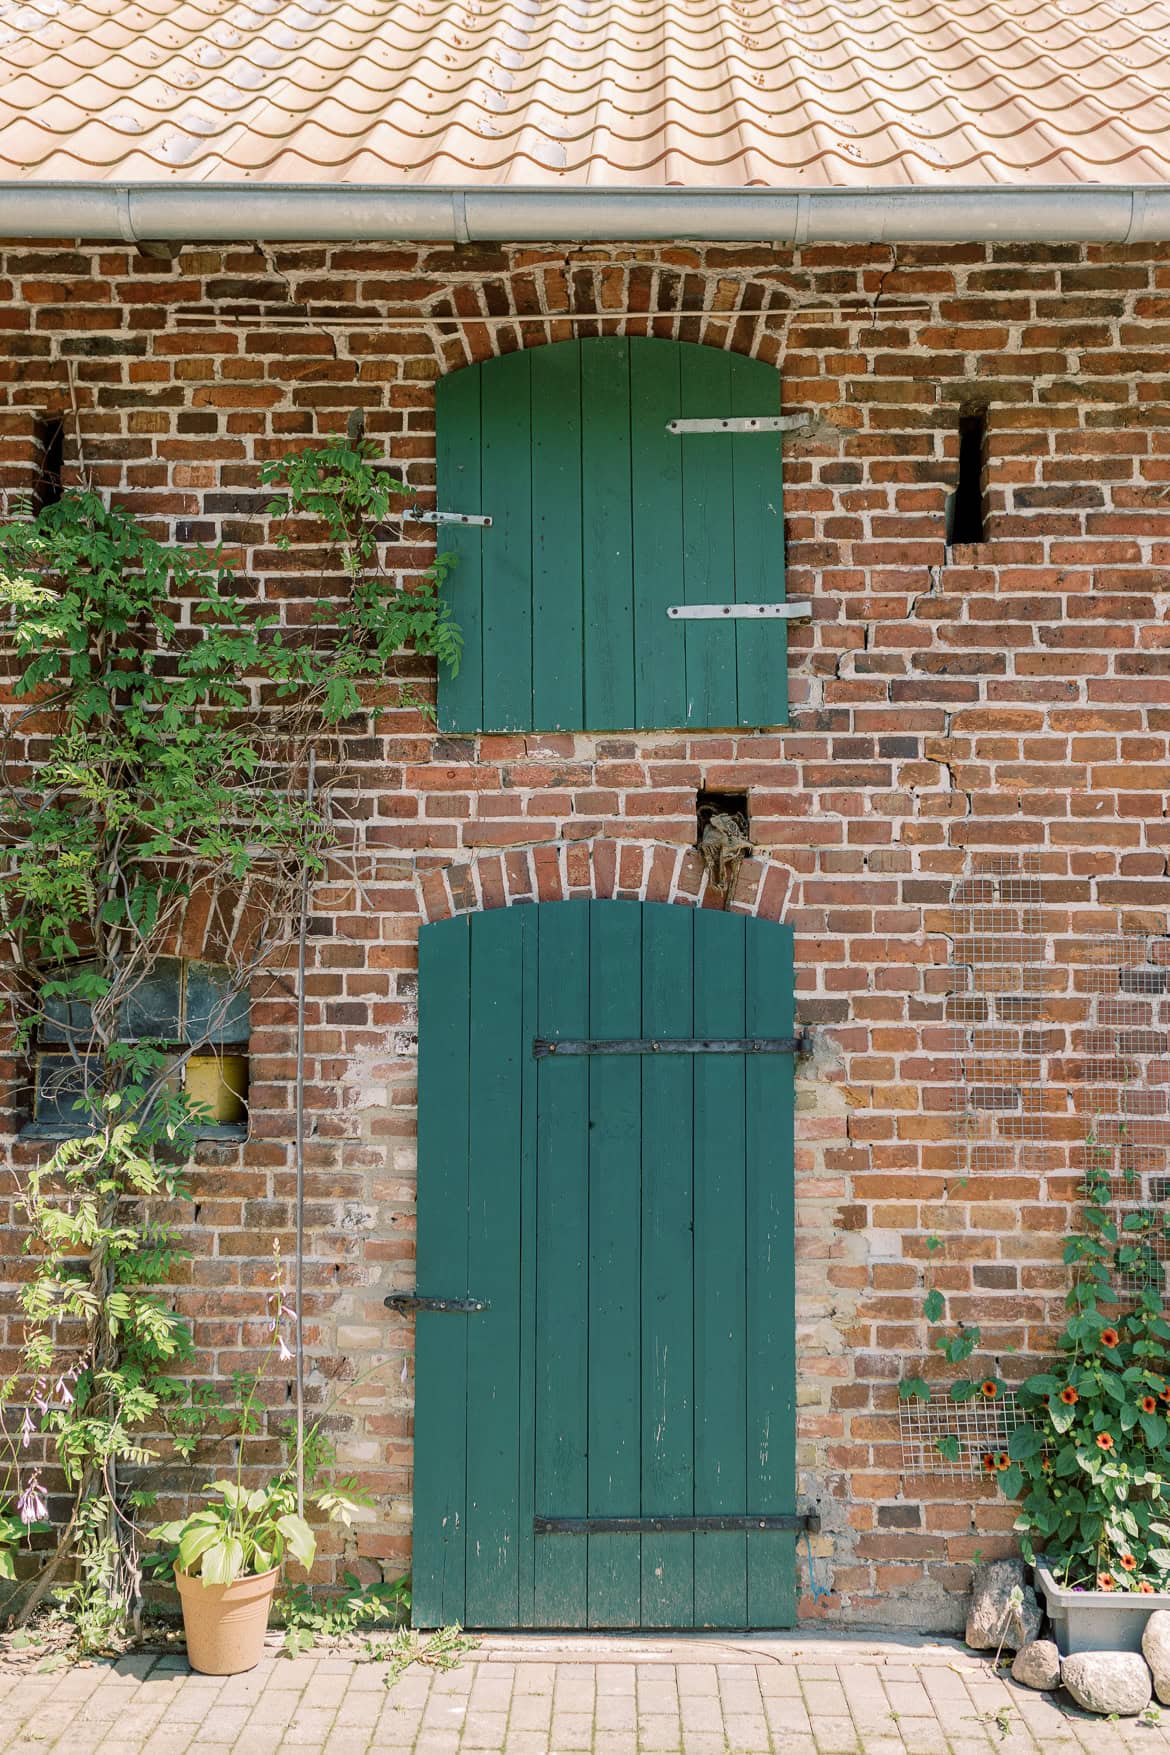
(228,1559)
(228,1553)
(1089,1458)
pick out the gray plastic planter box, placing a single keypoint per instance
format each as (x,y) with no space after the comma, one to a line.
(1096,1620)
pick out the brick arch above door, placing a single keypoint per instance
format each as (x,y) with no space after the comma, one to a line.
(556,871)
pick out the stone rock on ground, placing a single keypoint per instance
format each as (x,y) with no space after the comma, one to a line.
(1156,1648)
(991,1617)
(1037,1664)
(1108,1681)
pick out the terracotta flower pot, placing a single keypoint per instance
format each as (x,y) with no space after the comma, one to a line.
(225,1624)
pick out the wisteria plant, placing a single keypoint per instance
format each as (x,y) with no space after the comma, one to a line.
(1089,1460)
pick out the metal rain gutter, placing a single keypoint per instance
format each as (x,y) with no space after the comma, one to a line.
(321,213)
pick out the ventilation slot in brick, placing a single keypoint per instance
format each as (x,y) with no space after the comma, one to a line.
(719,804)
(967,501)
(50,461)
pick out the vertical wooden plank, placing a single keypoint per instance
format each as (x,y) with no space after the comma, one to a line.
(562,1290)
(493,1273)
(656,459)
(558,653)
(440,1415)
(607,533)
(526,1541)
(720,1234)
(771,1286)
(668,1594)
(457,463)
(615,1246)
(758,521)
(708,537)
(506,425)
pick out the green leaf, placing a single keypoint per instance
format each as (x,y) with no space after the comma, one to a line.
(300,1538)
(914,1389)
(948,1446)
(223,1563)
(933,1306)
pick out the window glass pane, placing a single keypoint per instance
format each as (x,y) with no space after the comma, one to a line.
(153,1008)
(214,1012)
(219,1084)
(67,1020)
(60,1082)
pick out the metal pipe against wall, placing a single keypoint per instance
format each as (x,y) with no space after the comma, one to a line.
(322,213)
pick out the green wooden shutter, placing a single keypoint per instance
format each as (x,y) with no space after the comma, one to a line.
(602,518)
(629,1222)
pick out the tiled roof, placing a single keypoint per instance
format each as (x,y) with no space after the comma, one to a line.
(714,92)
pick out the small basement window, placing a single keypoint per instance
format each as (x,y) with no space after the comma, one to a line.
(180,1007)
(967,500)
(50,462)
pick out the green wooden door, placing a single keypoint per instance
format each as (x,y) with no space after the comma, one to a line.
(627,1219)
(601,520)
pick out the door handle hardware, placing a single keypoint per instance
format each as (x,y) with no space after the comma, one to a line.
(406,1302)
(669,1526)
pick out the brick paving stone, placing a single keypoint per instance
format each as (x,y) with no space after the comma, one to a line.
(655,1699)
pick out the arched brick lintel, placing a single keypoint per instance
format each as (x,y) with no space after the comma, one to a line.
(556,871)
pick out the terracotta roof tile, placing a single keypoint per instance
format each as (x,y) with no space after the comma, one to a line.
(731,92)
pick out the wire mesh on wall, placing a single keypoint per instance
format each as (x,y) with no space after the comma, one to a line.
(1059,1021)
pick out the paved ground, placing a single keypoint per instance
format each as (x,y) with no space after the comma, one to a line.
(791,1695)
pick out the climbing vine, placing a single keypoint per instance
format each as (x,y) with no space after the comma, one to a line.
(152,791)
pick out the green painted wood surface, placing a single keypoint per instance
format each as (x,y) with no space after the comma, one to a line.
(771,1284)
(498,945)
(615,1265)
(630,1221)
(668,1410)
(440,1420)
(562,1254)
(558,593)
(719,1294)
(601,519)
(607,532)
(457,465)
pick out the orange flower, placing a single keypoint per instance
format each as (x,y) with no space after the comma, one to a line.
(1046,1465)
(1068,1395)
(1003,1461)
(1109,1337)
(1128,1563)
(1148,1405)
(1104,1582)
(1104,1441)
(988,1462)
(1164,1393)
(990,1389)
(1146,1588)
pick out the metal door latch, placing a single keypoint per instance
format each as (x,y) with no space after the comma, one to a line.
(406,1302)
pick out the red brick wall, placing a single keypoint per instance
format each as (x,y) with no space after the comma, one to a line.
(1010,696)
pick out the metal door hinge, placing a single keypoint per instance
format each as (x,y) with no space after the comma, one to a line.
(543,1046)
(414,516)
(712,612)
(743,423)
(669,1526)
(410,1301)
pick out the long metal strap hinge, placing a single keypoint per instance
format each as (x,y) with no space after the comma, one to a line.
(669,1526)
(740,612)
(743,423)
(414,516)
(543,1046)
(405,1302)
